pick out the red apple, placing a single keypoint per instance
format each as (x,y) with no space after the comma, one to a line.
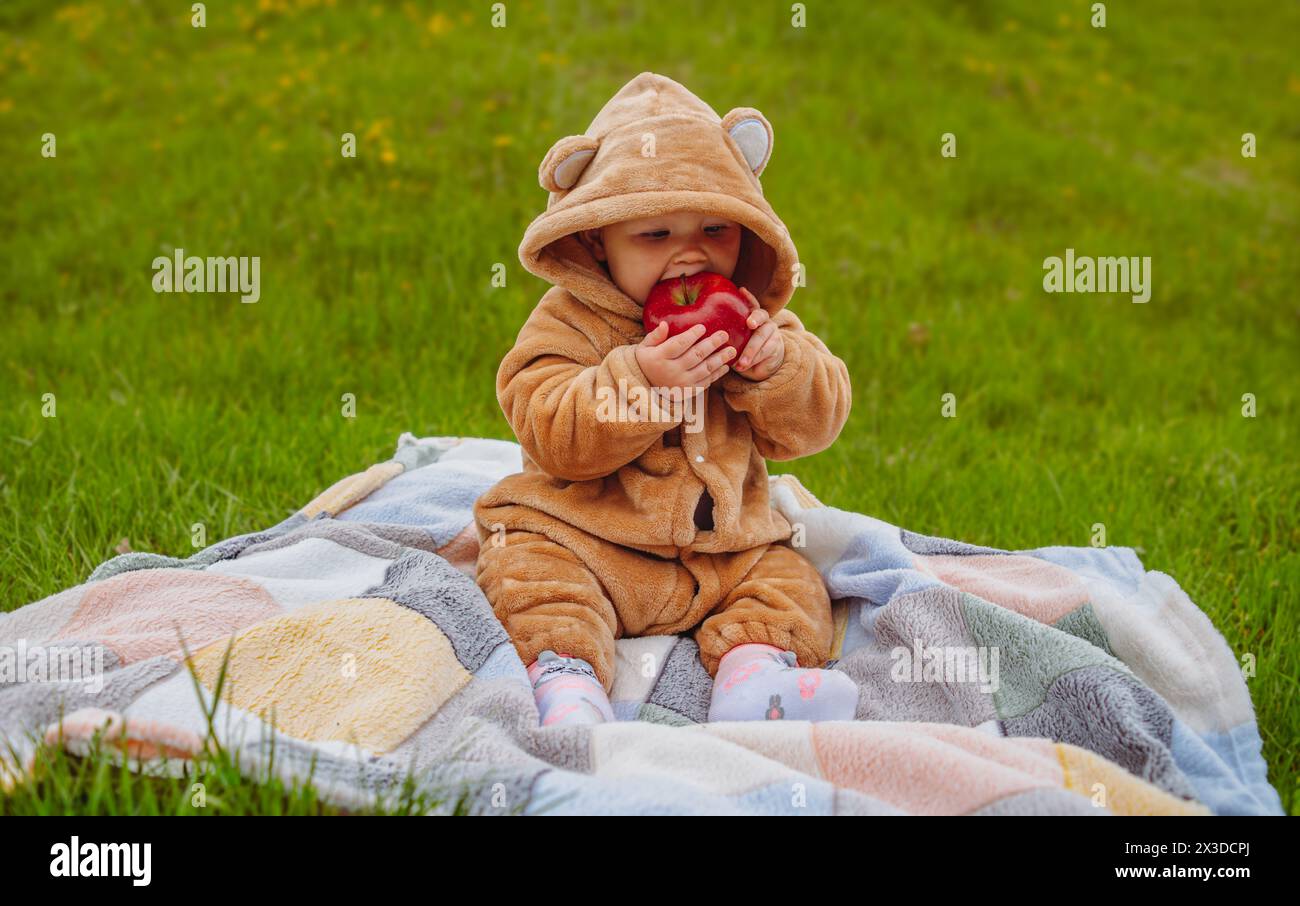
(704,298)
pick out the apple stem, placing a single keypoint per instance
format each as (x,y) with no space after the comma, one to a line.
(686,293)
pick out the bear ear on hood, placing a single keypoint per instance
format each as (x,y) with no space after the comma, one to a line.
(752,133)
(564,163)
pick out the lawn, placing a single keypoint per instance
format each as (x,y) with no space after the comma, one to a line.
(924,272)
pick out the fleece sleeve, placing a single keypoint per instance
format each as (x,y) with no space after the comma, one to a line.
(567,415)
(800,409)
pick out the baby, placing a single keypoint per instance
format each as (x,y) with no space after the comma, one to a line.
(630,526)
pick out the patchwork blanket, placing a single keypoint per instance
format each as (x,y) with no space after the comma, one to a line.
(1054,680)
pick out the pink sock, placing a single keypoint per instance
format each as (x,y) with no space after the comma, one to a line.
(567,691)
(763,682)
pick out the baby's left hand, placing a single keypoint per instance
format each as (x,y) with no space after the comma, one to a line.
(765,351)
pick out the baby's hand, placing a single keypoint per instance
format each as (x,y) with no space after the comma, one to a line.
(684,360)
(765,351)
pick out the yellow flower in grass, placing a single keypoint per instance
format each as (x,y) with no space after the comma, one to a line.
(6,104)
(84,20)
(502,141)
(387,156)
(439,24)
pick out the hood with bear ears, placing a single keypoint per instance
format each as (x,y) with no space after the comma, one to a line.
(656,148)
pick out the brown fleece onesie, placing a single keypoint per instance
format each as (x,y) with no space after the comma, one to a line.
(631,527)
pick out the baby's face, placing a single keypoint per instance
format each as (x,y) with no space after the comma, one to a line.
(642,252)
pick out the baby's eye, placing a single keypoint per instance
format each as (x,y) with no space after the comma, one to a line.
(716,229)
(655,234)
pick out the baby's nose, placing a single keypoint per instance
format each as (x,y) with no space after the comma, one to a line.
(688,262)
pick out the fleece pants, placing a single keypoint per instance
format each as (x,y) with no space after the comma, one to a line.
(578,598)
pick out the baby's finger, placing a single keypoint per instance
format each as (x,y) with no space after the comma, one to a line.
(753,349)
(704,348)
(750,352)
(704,356)
(769,354)
(683,341)
(656,336)
(713,376)
(769,350)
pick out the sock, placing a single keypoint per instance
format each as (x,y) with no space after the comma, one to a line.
(762,682)
(567,691)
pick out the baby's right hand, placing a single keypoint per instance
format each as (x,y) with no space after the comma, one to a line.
(684,360)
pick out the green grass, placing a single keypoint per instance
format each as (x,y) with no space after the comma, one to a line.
(1071,409)
(104,782)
